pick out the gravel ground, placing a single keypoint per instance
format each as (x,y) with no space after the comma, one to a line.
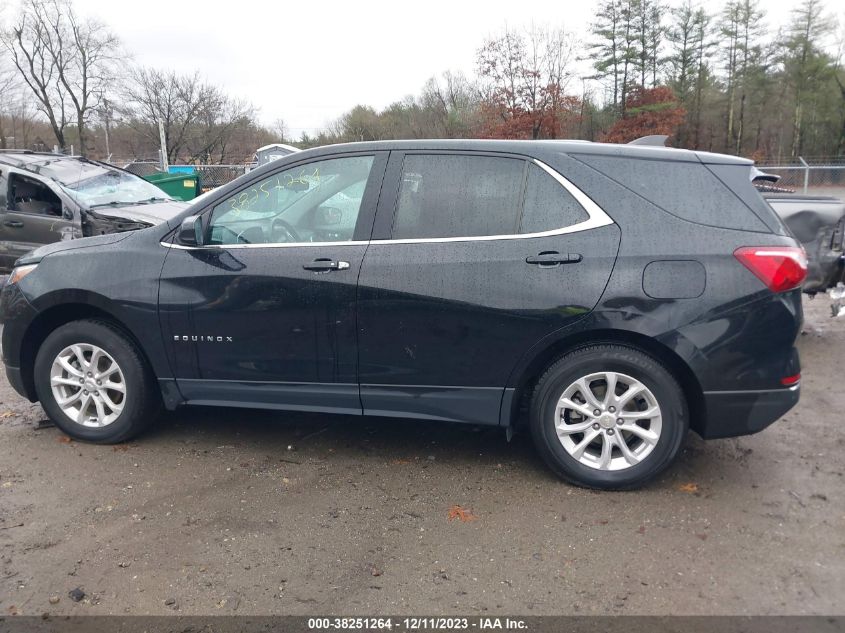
(233,511)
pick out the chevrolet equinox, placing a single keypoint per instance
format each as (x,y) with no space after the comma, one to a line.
(606,297)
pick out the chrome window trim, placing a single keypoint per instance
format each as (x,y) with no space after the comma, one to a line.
(596,217)
(279,245)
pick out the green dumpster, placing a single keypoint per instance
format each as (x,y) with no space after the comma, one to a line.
(178,186)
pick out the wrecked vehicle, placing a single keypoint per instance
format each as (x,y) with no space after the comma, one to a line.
(818,222)
(46,198)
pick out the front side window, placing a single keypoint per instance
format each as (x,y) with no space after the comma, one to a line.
(315,202)
(447,195)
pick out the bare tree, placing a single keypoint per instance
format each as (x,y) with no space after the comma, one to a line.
(66,61)
(447,103)
(523,82)
(8,87)
(280,129)
(198,118)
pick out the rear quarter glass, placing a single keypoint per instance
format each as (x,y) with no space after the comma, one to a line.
(737,178)
(688,190)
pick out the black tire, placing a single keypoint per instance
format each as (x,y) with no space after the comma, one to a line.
(142,402)
(611,358)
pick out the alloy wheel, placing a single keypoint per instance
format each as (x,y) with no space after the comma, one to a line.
(88,385)
(608,421)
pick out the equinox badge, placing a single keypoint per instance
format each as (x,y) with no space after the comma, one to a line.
(203,339)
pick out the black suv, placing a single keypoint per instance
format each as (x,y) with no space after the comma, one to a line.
(608,297)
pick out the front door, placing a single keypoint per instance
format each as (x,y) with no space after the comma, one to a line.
(484,256)
(263,313)
(31,215)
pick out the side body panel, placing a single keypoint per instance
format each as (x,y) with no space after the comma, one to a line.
(250,323)
(74,277)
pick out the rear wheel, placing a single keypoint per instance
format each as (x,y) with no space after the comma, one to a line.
(93,383)
(608,416)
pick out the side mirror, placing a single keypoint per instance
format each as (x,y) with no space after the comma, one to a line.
(190,231)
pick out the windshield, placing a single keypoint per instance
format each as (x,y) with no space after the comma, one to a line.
(93,185)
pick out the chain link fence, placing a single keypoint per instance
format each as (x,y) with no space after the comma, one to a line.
(810,176)
(211,176)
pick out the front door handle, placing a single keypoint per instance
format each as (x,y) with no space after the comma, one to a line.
(15,224)
(326,265)
(547,259)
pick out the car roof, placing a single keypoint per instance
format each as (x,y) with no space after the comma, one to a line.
(530,147)
(32,161)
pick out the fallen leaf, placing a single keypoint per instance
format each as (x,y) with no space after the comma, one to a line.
(641,530)
(7,414)
(120,447)
(703,537)
(464,515)
(688,488)
(64,439)
(375,571)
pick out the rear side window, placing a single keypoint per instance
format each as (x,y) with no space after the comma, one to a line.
(447,195)
(548,206)
(738,179)
(684,189)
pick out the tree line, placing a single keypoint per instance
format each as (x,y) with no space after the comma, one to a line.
(718,80)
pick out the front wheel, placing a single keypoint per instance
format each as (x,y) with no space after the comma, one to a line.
(608,416)
(93,383)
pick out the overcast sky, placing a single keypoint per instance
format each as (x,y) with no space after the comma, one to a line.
(308,62)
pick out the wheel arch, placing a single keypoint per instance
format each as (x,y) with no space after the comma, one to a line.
(526,377)
(55,316)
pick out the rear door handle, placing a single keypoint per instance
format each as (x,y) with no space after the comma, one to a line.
(15,224)
(326,265)
(547,259)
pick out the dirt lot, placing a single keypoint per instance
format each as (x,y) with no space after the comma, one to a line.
(220,512)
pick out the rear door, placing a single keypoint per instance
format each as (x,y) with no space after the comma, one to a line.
(480,256)
(31,214)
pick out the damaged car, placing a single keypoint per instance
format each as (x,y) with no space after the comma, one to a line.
(818,222)
(47,197)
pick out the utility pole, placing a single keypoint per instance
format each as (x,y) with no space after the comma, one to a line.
(107,121)
(163,140)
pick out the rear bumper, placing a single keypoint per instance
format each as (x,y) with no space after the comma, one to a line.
(733,413)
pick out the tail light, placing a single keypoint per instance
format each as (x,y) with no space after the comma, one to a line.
(779,267)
